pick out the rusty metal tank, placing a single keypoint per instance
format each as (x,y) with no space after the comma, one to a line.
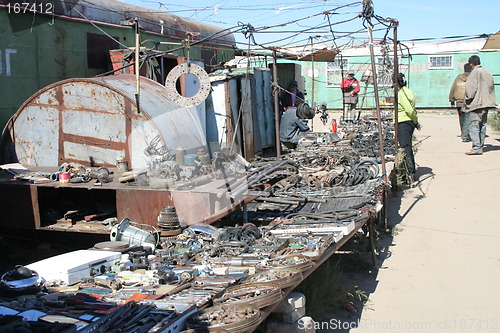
(93,121)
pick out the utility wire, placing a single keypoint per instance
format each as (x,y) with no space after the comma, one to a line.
(99,28)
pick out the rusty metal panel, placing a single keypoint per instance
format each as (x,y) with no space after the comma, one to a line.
(91,96)
(38,144)
(141,206)
(192,208)
(268,135)
(178,126)
(263,108)
(92,121)
(100,125)
(97,155)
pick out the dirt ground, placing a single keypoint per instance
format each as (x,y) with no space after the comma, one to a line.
(439,270)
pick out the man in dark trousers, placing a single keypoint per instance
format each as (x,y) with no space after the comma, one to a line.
(456,98)
(350,88)
(479,99)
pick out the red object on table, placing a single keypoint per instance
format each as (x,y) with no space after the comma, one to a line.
(334,126)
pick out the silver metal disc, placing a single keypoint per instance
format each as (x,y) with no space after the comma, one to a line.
(175,74)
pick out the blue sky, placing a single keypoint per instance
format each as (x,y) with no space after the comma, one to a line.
(417,19)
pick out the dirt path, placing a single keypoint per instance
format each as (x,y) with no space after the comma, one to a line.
(442,271)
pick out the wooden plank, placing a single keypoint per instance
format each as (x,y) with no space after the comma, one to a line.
(247,119)
(35,206)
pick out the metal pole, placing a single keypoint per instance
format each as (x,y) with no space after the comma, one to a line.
(396,85)
(312,65)
(276,106)
(341,79)
(377,106)
(137,66)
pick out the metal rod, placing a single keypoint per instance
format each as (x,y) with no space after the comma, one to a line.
(377,106)
(396,85)
(245,213)
(341,79)
(278,201)
(362,101)
(276,105)
(137,66)
(312,94)
(371,230)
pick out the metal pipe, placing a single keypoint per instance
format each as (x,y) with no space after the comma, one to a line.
(377,106)
(276,105)
(395,24)
(312,93)
(137,65)
(241,188)
(278,201)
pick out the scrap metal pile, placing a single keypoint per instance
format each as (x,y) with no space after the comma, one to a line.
(241,268)
(312,199)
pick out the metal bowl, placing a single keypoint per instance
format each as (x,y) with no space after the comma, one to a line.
(258,295)
(230,317)
(20,279)
(300,262)
(284,277)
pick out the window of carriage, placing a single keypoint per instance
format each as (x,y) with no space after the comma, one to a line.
(440,62)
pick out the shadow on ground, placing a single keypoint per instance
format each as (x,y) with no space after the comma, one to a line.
(488,148)
(338,292)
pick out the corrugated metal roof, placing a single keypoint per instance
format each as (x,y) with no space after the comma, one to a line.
(119,13)
(435,46)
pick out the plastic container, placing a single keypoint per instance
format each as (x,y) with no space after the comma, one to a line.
(64,177)
(190,159)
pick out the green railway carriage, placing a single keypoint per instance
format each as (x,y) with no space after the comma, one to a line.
(62,39)
(430,66)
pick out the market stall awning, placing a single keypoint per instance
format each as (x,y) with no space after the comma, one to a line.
(320,56)
(493,42)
